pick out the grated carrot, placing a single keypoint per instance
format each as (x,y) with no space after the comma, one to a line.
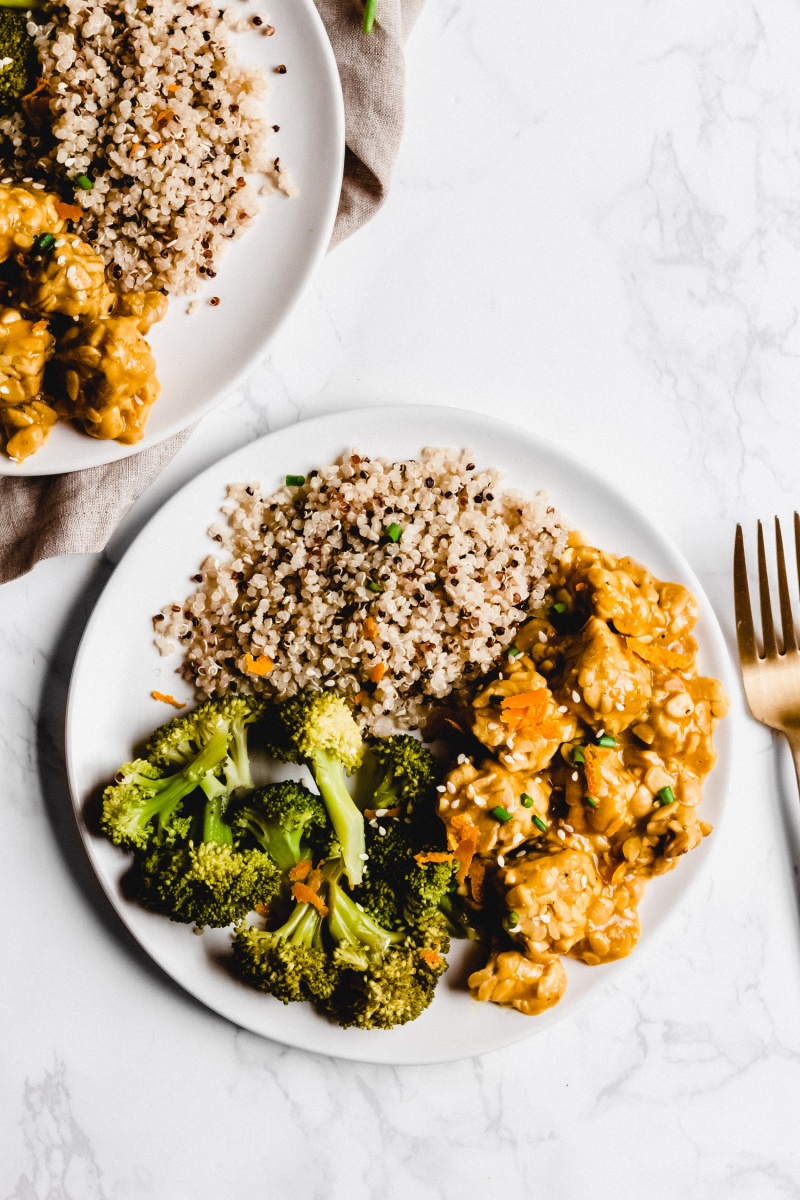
(301,870)
(377,673)
(370,628)
(165,115)
(591,767)
(261,909)
(258,666)
(168,699)
(432,856)
(526,713)
(172,87)
(431,958)
(659,656)
(463,839)
(68,212)
(304,895)
(371,813)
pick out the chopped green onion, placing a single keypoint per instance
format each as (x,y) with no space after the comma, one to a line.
(513,918)
(526,800)
(372,586)
(295,480)
(590,800)
(500,814)
(665,795)
(45,241)
(83,182)
(558,607)
(513,652)
(393,532)
(369,15)
(578,755)
(607,740)
(539,823)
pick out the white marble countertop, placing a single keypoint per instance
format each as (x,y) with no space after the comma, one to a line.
(593,231)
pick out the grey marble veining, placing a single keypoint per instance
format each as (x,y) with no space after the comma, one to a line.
(595,231)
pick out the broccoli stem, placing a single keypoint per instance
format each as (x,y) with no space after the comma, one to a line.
(170,791)
(214,828)
(352,927)
(346,817)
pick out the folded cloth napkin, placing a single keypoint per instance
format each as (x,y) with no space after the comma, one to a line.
(77,513)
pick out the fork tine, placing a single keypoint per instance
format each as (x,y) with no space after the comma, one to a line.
(767,627)
(745,633)
(787,620)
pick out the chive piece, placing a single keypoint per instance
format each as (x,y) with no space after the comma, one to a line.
(295,480)
(45,241)
(590,800)
(539,823)
(500,814)
(559,607)
(393,532)
(369,15)
(665,795)
(526,801)
(372,586)
(513,652)
(607,740)
(513,917)
(83,182)
(578,755)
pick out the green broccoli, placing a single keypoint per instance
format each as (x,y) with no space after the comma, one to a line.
(318,728)
(178,741)
(285,819)
(146,803)
(18,56)
(404,771)
(397,985)
(397,889)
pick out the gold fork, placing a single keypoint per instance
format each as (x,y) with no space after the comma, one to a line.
(772,680)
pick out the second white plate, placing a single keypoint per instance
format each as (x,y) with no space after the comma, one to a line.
(110,709)
(202,356)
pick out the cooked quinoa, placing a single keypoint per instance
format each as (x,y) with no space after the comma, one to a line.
(146,101)
(392,582)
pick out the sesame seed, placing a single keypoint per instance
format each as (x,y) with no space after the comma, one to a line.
(381,831)
(374,824)
(574,775)
(501,862)
(576,696)
(360,907)
(480,802)
(542,636)
(363,857)
(455,804)
(619,706)
(562,708)
(568,828)
(584,881)
(462,758)
(451,787)
(560,834)
(441,788)
(515,929)
(381,812)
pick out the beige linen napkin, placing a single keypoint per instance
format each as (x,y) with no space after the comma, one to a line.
(77,513)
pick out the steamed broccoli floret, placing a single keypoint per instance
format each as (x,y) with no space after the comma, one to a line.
(360,940)
(16,44)
(399,890)
(208,884)
(404,771)
(178,741)
(146,801)
(285,819)
(291,963)
(318,728)
(397,986)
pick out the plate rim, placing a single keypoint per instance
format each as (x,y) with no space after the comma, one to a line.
(318,241)
(712,633)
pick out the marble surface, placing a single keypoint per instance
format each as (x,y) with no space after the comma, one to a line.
(593,231)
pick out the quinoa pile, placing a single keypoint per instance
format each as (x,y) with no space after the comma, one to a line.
(146,103)
(392,582)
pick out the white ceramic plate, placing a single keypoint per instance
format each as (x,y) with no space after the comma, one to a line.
(117,667)
(203,356)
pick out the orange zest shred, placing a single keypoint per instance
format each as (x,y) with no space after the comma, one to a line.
(261,909)
(462,836)
(432,958)
(165,115)
(527,713)
(370,628)
(68,212)
(258,666)
(168,699)
(300,870)
(432,856)
(591,767)
(172,87)
(372,813)
(476,874)
(304,895)
(377,673)
(659,656)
